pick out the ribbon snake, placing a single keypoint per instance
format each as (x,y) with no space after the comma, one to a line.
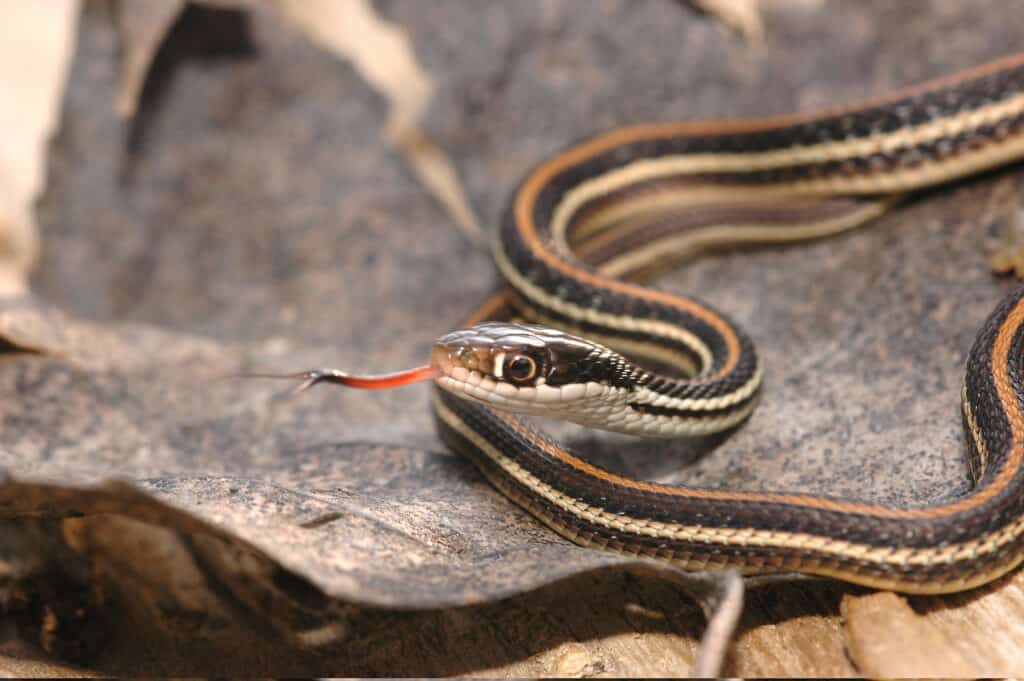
(586,224)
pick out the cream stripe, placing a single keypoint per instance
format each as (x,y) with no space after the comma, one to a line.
(883,555)
(900,180)
(976,436)
(594,413)
(662,329)
(682,246)
(651,205)
(656,399)
(693,164)
(626,346)
(536,294)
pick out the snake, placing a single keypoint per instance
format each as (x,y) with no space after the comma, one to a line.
(578,333)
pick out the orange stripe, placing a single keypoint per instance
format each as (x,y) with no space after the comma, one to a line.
(651,131)
(527,229)
(526,198)
(1007,396)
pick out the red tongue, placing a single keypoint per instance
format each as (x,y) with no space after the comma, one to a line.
(381,382)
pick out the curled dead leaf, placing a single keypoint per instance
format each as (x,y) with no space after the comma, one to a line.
(379,50)
(743,16)
(36,42)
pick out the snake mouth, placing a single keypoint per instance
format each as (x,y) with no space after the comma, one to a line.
(505,368)
(450,357)
(469,371)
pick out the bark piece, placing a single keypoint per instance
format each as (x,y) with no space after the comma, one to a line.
(886,638)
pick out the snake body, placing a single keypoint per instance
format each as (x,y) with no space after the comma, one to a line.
(629,202)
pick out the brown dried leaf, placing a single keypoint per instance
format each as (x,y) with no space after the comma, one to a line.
(378,50)
(743,16)
(36,42)
(142,26)
(886,638)
(435,170)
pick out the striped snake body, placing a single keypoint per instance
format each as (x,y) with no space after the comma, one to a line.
(627,203)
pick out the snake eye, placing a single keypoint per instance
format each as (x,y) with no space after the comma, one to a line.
(520,368)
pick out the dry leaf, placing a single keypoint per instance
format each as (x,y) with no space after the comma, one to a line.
(378,50)
(381,53)
(744,16)
(437,172)
(886,638)
(36,42)
(142,27)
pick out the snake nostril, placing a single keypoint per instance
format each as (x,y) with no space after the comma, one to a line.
(460,356)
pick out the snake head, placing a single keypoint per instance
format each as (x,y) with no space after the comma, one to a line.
(530,369)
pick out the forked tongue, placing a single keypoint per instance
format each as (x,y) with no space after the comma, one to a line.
(379,382)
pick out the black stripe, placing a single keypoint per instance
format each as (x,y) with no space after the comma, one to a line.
(671,386)
(642,408)
(867,529)
(946,102)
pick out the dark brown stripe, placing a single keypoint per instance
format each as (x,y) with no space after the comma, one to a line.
(671,412)
(609,245)
(772,512)
(698,554)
